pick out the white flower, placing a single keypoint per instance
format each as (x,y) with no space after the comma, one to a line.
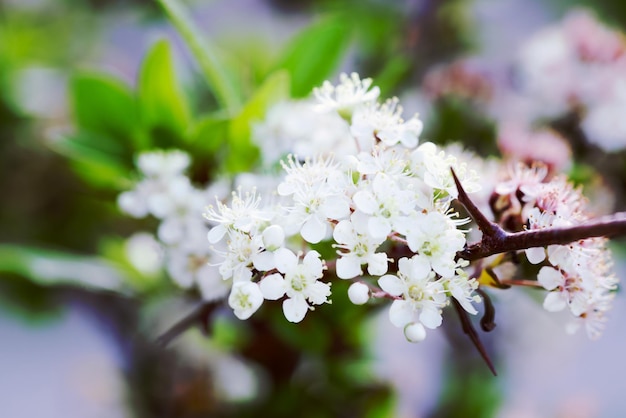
(293,127)
(317,188)
(351,93)
(243,215)
(384,123)
(245,299)
(435,236)
(163,163)
(242,253)
(462,289)
(360,248)
(422,298)
(300,283)
(386,204)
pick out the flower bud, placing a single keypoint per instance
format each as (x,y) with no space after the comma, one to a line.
(358,293)
(415,332)
(273,237)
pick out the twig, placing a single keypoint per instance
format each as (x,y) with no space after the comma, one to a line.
(487,322)
(197,316)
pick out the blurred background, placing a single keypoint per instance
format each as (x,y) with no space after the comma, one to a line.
(81,308)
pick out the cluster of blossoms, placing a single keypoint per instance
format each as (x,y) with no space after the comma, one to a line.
(387,194)
(368,188)
(578,276)
(167,194)
(576,65)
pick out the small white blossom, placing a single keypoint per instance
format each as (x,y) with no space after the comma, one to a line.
(351,93)
(359,248)
(422,298)
(384,123)
(300,283)
(245,299)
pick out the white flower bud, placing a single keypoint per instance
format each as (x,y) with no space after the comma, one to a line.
(415,332)
(358,293)
(273,237)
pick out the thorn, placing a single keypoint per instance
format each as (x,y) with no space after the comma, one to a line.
(470,331)
(487,322)
(485,225)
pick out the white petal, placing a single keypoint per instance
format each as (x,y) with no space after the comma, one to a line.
(273,287)
(216,233)
(171,231)
(554,302)
(264,261)
(318,293)
(401,313)
(285,260)
(377,264)
(295,308)
(430,317)
(392,285)
(550,278)
(365,202)
(273,237)
(313,230)
(344,233)
(335,208)
(379,227)
(535,255)
(348,267)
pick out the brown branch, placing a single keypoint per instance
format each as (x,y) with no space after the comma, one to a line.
(495,240)
(606,226)
(199,315)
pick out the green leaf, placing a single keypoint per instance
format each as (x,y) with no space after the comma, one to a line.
(215,72)
(105,105)
(95,160)
(314,54)
(161,101)
(242,154)
(46,267)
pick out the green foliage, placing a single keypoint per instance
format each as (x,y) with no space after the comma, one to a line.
(216,74)
(313,55)
(47,267)
(242,154)
(161,101)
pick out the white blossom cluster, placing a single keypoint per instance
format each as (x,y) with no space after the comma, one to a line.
(388,193)
(579,275)
(578,63)
(166,193)
(370,190)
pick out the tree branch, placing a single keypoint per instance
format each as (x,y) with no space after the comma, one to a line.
(495,240)
(197,316)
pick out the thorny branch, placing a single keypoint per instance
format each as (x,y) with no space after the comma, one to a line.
(495,240)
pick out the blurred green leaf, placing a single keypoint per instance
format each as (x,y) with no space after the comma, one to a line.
(95,160)
(45,267)
(161,101)
(313,55)
(210,133)
(215,72)
(103,104)
(242,153)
